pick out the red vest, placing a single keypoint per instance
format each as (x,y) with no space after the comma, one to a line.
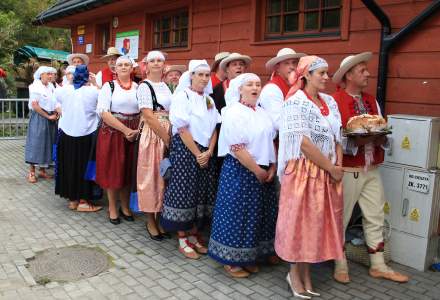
(107,75)
(214,80)
(347,110)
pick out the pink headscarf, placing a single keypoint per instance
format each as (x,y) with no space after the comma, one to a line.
(306,64)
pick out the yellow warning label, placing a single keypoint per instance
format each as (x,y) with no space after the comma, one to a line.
(414,215)
(386,208)
(405,143)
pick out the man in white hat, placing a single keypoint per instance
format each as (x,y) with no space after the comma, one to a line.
(218,74)
(362,182)
(233,65)
(76,59)
(108,73)
(275,91)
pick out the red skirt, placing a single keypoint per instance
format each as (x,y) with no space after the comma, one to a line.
(114,155)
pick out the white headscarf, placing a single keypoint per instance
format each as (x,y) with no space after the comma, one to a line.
(154,55)
(124,58)
(41,70)
(195,65)
(232,94)
(70,69)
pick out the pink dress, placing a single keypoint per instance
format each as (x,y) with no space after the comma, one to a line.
(310,215)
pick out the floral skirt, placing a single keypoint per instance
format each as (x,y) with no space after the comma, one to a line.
(243,228)
(309,226)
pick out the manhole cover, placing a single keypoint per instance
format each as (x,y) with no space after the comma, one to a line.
(68,264)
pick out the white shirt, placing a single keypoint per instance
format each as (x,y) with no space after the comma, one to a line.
(43,95)
(98,78)
(254,129)
(271,99)
(121,101)
(163,95)
(189,109)
(79,117)
(60,91)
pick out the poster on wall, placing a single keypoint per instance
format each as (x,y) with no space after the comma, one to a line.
(128,43)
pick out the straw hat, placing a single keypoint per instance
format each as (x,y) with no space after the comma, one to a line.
(111,51)
(348,63)
(235,56)
(179,68)
(283,54)
(84,57)
(218,58)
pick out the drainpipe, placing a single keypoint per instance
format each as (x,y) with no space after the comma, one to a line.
(389,40)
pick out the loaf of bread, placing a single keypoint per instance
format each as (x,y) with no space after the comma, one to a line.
(366,123)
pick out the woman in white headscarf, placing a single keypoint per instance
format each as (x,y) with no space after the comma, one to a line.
(154,100)
(190,194)
(41,131)
(243,228)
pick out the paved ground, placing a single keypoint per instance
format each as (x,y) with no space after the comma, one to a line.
(32,219)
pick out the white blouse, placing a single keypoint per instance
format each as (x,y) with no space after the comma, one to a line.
(271,99)
(189,109)
(163,95)
(79,117)
(121,101)
(60,91)
(43,95)
(254,129)
(300,118)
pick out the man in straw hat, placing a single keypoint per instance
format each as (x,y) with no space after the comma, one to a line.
(171,75)
(108,73)
(233,65)
(362,182)
(76,59)
(218,74)
(275,91)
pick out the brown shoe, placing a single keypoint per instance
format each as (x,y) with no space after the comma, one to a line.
(87,207)
(389,275)
(31,177)
(341,277)
(236,272)
(252,269)
(44,175)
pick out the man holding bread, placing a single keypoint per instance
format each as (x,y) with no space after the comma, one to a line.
(360,113)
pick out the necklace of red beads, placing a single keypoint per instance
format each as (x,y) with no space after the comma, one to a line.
(127,88)
(323,107)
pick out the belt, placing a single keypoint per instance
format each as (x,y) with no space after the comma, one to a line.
(125,116)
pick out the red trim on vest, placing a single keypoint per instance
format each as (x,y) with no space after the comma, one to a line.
(347,110)
(281,83)
(225,84)
(214,80)
(107,75)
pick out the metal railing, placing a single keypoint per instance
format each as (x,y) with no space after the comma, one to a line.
(14,118)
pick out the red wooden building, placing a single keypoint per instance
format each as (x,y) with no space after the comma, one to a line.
(332,29)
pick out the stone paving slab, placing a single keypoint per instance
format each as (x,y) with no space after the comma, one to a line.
(33,219)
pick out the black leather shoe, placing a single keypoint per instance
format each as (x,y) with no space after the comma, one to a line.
(116,221)
(166,235)
(157,237)
(125,217)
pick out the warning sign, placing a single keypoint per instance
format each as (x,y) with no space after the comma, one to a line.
(405,143)
(414,215)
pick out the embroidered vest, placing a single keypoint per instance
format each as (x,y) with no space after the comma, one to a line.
(281,83)
(107,75)
(347,108)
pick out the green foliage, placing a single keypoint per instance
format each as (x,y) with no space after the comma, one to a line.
(16,30)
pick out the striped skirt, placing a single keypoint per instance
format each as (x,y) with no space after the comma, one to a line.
(39,140)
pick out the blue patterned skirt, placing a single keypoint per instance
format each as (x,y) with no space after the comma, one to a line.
(244,221)
(190,194)
(40,138)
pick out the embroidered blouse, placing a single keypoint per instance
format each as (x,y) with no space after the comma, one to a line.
(162,91)
(43,95)
(190,110)
(79,117)
(241,125)
(271,99)
(121,101)
(300,117)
